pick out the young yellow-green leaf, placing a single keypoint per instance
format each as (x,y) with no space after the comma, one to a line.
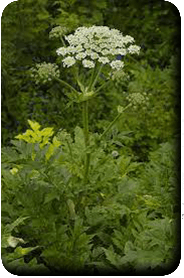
(50,151)
(28,132)
(34,125)
(14,171)
(19,136)
(56,142)
(24,251)
(48,131)
(40,136)
(28,136)
(44,142)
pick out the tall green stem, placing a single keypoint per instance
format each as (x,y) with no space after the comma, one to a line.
(86,124)
(86,139)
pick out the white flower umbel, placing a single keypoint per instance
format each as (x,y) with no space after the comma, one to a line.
(133,49)
(88,64)
(62,51)
(97,42)
(117,65)
(103,60)
(68,61)
(115,154)
(58,32)
(80,56)
(138,99)
(45,72)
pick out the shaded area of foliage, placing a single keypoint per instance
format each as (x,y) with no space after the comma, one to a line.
(123,221)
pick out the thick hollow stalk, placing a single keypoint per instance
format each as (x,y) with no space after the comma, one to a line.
(86,139)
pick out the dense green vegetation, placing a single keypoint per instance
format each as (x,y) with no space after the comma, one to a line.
(98,202)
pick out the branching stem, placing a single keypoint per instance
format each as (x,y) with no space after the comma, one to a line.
(113,122)
(66,84)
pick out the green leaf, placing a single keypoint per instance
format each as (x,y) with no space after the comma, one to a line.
(9,155)
(128,247)
(111,255)
(71,208)
(13,241)
(34,125)
(113,258)
(24,251)
(19,267)
(47,132)
(49,197)
(18,221)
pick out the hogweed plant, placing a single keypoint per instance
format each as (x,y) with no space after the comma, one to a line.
(89,50)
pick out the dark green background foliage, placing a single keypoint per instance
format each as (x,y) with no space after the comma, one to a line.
(126,218)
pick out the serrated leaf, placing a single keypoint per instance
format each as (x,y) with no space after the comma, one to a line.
(56,142)
(129,257)
(71,208)
(111,255)
(128,247)
(47,132)
(118,143)
(9,155)
(18,221)
(134,233)
(34,125)
(49,197)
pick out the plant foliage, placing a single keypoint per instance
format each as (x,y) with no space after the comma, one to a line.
(124,219)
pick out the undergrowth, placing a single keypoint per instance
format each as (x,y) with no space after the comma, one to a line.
(123,219)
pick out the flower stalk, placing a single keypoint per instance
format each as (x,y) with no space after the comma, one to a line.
(114,121)
(66,84)
(96,78)
(86,139)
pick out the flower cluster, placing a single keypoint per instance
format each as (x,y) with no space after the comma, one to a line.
(45,72)
(119,77)
(58,32)
(14,171)
(137,99)
(115,154)
(97,44)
